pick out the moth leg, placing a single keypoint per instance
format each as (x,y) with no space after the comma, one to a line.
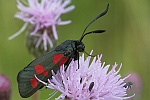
(68,54)
(77,58)
(67,63)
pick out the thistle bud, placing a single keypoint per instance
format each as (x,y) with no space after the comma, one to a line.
(41,42)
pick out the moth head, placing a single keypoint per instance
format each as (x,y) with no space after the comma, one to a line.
(80,46)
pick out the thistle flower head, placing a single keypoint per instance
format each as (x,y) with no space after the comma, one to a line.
(43,17)
(88,81)
(5,88)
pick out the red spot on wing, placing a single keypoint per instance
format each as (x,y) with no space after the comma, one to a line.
(39,69)
(45,73)
(33,82)
(63,61)
(57,58)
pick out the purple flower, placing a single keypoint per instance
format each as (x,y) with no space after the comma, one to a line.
(137,87)
(88,82)
(42,15)
(5,88)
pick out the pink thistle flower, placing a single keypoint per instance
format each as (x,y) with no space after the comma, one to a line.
(5,88)
(137,87)
(42,15)
(89,81)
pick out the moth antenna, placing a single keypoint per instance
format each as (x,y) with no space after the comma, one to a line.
(100,15)
(96,31)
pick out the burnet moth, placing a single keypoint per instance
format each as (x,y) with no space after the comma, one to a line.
(52,60)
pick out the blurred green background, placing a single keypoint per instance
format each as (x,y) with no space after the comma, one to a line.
(126,40)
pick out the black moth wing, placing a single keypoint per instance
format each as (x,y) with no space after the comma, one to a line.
(29,72)
(24,76)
